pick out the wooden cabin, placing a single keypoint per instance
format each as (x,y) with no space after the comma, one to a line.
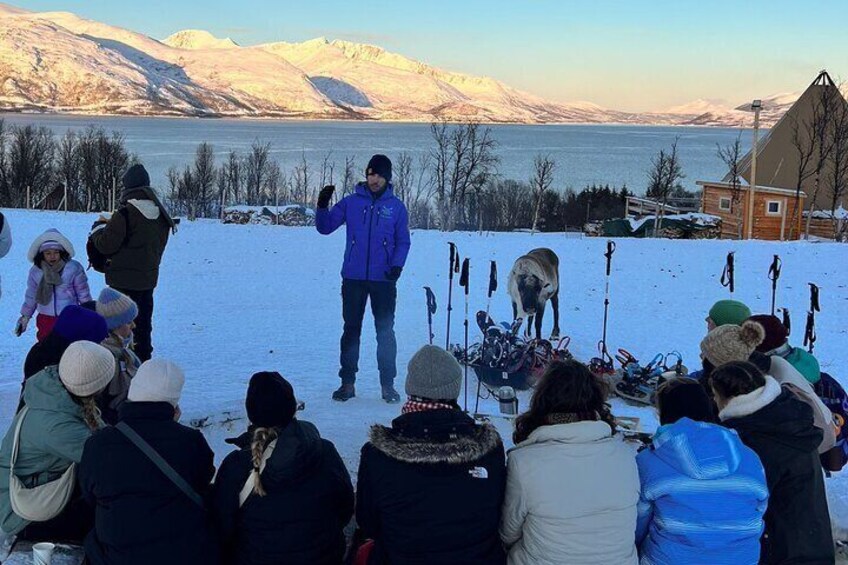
(773,210)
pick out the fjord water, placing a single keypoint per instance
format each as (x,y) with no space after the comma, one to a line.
(585,154)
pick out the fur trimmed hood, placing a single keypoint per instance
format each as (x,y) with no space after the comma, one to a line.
(50,235)
(435,436)
(747,404)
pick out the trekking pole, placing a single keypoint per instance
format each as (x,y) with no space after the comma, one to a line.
(774,275)
(493,284)
(810,330)
(787,320)
(431,309)
(727,278)
(463,282)
(454,264)
(604,351)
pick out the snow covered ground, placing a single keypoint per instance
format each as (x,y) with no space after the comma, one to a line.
(233,300)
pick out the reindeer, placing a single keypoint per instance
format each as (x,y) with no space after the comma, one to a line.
(534,280)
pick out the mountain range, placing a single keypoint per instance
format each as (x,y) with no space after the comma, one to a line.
(59,62)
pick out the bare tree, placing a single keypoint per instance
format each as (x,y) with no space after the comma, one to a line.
(349,177)
(803,140)
(463,159)
(327,169)
(402,176)
(731,155)
(300,182)
(69,167)
(664,178)
(256,172)
(5,196)
(30,163)
(543,177)
(205,175)
(822,125)
(837,180)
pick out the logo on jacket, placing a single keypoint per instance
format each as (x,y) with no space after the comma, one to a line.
(478,473)
(385,212)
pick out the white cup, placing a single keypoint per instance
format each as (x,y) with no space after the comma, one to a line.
(42,553)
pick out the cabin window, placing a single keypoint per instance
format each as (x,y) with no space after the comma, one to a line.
(724,204)
(773,207)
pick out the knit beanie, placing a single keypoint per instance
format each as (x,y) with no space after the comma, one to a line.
(732,343)
(684,398)
(76,323)
(776,333)
(86,368)
(157,380)
(135,177)
(117,308)
(434,374)
(47,245)
(380,165)
(270,400)
(729,312)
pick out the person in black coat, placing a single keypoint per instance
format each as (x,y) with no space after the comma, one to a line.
(285,496)
(430,488)
(779,428)
(141,516)
(75,323)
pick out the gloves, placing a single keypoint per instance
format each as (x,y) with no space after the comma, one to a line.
(394,273)
(21,325)
(325,195)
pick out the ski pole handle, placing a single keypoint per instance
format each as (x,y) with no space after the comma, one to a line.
(493,278)
(814,298)
(727,278)
(463,278)
(608,255)
(452,258)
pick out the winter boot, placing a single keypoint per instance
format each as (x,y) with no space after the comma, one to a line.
(390,395)
(344,392)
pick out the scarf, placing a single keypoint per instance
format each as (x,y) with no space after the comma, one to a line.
(570,417)
(51,277)
(416,404)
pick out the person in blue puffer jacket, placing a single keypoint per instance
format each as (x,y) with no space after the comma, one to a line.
(704,493)
(377,246)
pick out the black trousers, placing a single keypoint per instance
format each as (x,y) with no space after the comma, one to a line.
(143,323)
(355,295)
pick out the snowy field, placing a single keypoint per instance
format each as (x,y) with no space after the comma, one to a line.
(233,300)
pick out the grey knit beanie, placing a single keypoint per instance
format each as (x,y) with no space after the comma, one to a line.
(86,368)
(434,374)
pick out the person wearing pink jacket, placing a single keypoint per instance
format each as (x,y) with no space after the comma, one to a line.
(55,281)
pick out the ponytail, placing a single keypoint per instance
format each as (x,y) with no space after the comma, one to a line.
(261,438)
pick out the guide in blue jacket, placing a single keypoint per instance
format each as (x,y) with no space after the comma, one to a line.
(375,253)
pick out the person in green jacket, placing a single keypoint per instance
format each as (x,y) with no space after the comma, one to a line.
(776,342)
(134,239)
(61,415)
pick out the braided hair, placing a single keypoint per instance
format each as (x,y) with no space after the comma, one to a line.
(259,442)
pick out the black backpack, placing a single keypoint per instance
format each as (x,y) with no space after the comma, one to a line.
(98,261)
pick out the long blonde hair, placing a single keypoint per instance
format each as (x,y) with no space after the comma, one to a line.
(261,438)
(90,411)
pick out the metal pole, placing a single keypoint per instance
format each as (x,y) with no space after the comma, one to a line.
(29,201)
(750,231)
(66,197)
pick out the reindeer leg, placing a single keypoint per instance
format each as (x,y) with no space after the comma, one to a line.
(514,312)
(539,317)
(528,330)
(555,306)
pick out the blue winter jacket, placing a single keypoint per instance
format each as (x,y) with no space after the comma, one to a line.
(703,497)
(377,232)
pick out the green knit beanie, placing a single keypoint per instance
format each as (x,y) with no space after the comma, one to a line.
(731,312)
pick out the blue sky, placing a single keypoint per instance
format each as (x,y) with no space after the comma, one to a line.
(623,54)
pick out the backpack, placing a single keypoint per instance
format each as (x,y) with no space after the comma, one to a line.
(835,398)
(98,261)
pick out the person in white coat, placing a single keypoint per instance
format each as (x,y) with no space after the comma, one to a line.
(572,482)
(5,240)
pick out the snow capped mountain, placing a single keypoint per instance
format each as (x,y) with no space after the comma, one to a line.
(198,39)
(57,61)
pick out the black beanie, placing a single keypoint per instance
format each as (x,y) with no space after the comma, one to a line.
(136,177)
(270,400)
(686,399)
(381,165)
